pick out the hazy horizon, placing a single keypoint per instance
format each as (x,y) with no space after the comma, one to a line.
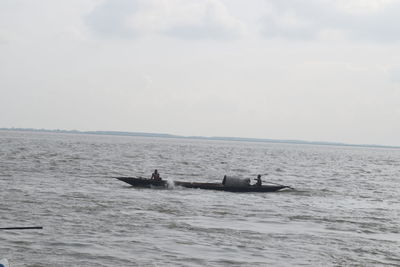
(202,137)
(301,70)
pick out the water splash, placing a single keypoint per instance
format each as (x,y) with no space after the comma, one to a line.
(170,184)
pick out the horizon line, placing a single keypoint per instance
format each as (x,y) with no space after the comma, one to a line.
(214,138)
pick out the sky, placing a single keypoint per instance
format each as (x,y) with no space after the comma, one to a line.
(316,70)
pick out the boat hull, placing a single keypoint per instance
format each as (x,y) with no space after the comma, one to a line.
(149,183)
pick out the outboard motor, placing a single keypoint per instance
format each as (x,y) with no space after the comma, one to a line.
(236,181)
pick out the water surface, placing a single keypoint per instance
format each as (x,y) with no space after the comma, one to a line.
(345,210)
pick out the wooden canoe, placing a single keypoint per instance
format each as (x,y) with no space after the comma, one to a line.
(150,183)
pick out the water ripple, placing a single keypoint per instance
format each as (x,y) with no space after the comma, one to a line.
(344,211)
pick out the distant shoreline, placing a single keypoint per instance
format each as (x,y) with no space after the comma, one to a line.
(212,138)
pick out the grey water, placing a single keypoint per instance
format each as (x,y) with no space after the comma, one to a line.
(344,211)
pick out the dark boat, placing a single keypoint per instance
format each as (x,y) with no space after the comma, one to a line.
(150,183)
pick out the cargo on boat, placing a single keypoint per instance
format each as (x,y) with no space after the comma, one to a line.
(230,187)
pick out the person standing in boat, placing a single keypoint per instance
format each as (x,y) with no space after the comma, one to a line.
(156,176)
(259,182)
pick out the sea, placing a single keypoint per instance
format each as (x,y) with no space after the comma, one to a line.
(344,209)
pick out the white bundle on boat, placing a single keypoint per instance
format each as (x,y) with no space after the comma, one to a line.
(236,181)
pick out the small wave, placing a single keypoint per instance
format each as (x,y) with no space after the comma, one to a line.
(240,170)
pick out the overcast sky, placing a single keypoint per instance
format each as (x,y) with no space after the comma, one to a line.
(319,70)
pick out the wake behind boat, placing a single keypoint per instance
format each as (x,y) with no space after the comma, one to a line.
(230,184)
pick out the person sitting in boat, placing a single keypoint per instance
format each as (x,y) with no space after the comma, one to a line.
(259,182)
(155,176)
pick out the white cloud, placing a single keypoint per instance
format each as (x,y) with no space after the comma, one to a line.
(394,74)
(371,20)
(3,38)
(24,21)
(185,19)
(363,6)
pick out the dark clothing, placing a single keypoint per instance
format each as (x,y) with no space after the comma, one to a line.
(258,181)
(156,176)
